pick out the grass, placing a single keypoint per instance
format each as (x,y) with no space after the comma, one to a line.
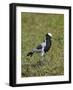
(34,27)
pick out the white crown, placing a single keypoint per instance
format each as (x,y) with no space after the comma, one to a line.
(50,34)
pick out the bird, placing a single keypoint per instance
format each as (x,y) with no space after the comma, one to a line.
(43,47)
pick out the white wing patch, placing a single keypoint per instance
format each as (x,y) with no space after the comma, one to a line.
(43,45)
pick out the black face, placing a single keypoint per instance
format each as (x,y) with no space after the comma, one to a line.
(48,36)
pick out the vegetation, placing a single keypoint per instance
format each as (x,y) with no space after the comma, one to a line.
(34,27)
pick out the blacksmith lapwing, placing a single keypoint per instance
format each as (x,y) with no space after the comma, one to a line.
(43,47)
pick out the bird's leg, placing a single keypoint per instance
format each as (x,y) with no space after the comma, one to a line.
(41,62)
(42,58)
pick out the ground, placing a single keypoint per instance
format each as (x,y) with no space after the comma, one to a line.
(34,26)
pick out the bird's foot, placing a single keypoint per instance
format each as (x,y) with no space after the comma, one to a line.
(40,62)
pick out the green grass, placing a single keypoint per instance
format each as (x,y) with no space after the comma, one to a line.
(34,27)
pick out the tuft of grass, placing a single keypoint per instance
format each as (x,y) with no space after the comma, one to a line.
(33,30)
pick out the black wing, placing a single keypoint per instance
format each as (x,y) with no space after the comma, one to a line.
(39,47)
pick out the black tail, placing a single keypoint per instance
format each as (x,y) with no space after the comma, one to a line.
(30,54)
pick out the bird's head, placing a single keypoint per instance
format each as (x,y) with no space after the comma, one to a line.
(48,35)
